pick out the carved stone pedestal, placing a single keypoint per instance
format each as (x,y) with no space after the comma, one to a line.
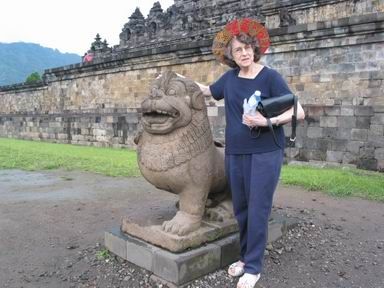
(208,232)
(178,269)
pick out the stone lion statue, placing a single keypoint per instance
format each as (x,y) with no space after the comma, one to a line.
(176,153)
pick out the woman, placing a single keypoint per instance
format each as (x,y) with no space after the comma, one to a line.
(252,162)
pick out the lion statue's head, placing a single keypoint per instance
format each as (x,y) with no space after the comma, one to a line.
(172,102)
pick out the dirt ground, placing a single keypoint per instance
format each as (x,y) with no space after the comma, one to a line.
(52,227)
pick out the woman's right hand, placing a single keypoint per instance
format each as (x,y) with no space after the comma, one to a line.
(256,120)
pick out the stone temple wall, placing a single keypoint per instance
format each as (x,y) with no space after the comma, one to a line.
(330,52)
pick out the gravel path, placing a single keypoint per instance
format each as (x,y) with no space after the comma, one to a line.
(52,226)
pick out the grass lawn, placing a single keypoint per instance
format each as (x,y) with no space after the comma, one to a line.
(29,155)
(338,182)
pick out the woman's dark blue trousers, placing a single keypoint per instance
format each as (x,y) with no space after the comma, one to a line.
(253,179)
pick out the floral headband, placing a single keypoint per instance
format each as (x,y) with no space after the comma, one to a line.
(236,27)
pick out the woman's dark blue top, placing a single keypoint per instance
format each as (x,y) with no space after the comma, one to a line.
(234,89)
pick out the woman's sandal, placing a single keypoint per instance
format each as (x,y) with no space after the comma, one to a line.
(248,280)
(236,269)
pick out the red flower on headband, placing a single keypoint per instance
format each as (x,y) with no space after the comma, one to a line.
(245,25)
(234,28)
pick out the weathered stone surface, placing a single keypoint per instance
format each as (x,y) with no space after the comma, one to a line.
(364,111)
(359,134)
(378,119)
(155,234)
(343,73)
(334,156)
(354,146)
(311,143)
(175,148)
(349,158)
(195,263)
(332,111)
(338,145)
(230,249)
(346,122)
(363,122)
(367,163)
(314,132)
(375,140)
(379,154)
(180,268)
(116,241)
(310,154)
(343,134)
(377,130)
(330,133)
(328,121)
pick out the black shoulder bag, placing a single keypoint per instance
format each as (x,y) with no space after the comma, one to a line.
(274,106)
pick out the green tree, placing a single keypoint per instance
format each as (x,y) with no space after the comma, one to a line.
(33,78)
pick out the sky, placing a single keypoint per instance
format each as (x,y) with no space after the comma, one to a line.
(70,25)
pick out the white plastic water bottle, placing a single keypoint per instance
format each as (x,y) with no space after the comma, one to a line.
(252,102)
(250,105)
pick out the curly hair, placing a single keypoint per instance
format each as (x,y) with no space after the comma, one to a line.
(245,39)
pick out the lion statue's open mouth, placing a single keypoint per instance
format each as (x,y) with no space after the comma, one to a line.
(159,121)
(169,105)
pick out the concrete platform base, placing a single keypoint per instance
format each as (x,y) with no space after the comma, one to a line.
(178,269)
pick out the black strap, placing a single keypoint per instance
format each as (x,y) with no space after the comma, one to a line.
(294,120)
(292,139)
(273,132)
(256,132)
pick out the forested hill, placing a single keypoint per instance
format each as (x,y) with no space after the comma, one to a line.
(19,60)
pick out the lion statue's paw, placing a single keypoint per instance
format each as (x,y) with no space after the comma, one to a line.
(221,212)
(182,224)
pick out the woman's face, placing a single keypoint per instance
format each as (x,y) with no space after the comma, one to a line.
(242,54)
